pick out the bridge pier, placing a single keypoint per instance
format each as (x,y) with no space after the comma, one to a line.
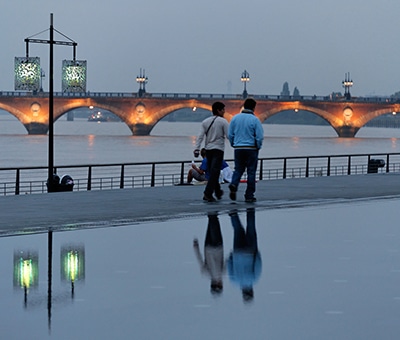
(140,129)
(346,131)
(36,128)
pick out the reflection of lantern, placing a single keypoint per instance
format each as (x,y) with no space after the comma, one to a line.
(74,76)
(27,73)
(72,264)
(26,271)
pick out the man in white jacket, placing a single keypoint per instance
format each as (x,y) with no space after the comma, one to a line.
(214,131)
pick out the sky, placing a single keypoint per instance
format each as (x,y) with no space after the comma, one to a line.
(188,46)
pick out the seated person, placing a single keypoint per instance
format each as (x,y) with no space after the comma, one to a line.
(226,173)
(199,173)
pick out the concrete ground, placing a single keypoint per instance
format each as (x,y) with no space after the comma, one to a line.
(87,209)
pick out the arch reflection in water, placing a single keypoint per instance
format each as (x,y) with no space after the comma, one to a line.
(213,264)
(244,262)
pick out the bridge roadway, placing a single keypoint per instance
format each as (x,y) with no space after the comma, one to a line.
(93,209)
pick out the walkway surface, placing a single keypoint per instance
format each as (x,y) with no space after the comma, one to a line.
(86,209)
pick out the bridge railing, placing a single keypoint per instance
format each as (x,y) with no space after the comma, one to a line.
(180,96)
(32,180)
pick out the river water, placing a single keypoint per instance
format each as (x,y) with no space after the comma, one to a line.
(323,266)
(83,142)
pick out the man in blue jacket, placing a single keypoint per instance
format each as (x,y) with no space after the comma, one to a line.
(245,135)
(244,262)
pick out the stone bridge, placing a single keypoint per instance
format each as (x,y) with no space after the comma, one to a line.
(141,114)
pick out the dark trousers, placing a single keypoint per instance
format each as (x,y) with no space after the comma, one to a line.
(214,164)
(245,240)
(213,235)
(246,159)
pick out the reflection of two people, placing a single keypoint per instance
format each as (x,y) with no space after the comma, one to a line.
(213,264)
(244,262)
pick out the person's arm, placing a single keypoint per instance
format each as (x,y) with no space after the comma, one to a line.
(231,134)
(199,170)
(197,253)
(203,166)
(199,141)
(259,134)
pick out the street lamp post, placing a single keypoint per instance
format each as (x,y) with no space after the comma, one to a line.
(51,185)
(142,80)
(42,75)
(245,78)
(347,83)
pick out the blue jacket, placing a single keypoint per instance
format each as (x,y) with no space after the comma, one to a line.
(244,268)
(203,167)
(245,130)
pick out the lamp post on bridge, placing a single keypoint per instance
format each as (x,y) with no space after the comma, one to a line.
(142,80)
(347,83)
(245,78)
(51,185)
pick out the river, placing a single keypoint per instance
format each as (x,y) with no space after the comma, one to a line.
(83,142)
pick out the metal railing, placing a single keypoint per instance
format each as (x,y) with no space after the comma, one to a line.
(31,180)
(88,94)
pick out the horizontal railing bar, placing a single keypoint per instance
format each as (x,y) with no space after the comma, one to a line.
(23,180)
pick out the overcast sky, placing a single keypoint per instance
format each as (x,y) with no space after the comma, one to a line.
(203,46)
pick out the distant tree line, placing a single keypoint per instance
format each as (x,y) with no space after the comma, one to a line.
(286,92)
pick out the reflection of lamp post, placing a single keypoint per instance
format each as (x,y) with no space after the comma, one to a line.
(72,265)
(245,79)
(347,83)
(142,81)
(50,182)
(26,271)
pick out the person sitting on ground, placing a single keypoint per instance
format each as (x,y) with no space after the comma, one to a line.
(226,172)
(199,173)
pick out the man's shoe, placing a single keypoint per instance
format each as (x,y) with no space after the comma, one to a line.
(250,200)
(209,199)
(219,195)
(232,194)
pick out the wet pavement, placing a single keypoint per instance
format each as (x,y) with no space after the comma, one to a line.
(320,260)
(66,210)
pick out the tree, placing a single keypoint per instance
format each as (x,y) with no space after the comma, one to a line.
(285,90)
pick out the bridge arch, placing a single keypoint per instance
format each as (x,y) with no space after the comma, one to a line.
(325,115)
(159,115)
(363,120)
(38,126)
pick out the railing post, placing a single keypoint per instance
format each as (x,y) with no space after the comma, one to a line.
(307,166)
(153,174)
(387,162)
(261,170)
(182,173)
(17,183)
(328,171)
(284,168)
(89,180)
(349,166)
(122,178)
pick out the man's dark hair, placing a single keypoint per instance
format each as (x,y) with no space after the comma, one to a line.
(250,104)
(217,106)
